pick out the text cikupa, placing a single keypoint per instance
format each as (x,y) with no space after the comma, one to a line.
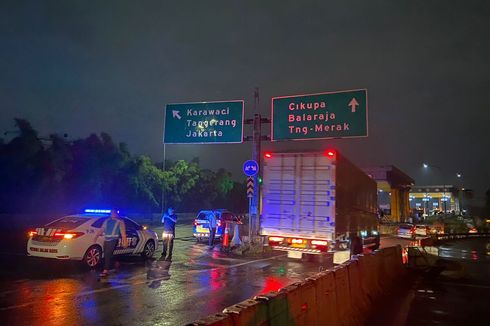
(297,115)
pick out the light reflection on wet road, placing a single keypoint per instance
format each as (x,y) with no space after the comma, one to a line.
(199,282)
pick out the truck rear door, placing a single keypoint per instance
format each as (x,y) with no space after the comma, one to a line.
(299,196)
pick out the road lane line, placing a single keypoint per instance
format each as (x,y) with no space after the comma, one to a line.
(123,285)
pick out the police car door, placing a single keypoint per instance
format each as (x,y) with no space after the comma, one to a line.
(132,236)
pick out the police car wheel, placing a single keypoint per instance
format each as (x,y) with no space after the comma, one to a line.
(149,249)
(93,256)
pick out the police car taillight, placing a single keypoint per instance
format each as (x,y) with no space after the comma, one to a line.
(68,235)
(195,223)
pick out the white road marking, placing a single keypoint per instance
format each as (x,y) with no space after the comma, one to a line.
(142,281)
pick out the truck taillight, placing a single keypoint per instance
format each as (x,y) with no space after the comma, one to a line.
(276,239)
(319,242)
(330,153)
(268,155)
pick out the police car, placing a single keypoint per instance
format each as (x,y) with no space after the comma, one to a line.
(201,223)
(73,237)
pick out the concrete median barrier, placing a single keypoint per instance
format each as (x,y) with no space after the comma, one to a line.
(214,320)
(326,298)
(342,291)
(302,303)
(369,280)
(341,296)
(277,307)
(248,313)
(359,299)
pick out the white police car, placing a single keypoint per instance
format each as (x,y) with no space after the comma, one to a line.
(74,237)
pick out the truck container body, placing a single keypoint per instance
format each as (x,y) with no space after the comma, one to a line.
(313,201)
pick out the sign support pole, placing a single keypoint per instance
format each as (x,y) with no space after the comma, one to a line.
(163,185)
(255,209)
(249,220)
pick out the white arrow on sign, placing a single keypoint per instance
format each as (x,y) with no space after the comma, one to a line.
(175,114)
(353,103)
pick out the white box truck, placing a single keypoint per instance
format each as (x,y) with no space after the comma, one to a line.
(316,202)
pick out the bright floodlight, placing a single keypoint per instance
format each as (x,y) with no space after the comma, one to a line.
(426,165)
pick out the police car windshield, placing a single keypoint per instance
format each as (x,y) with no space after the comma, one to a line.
(68,222)
(202,216)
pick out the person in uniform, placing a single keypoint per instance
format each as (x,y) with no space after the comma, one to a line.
(169,219)
(113,228)
(212,223)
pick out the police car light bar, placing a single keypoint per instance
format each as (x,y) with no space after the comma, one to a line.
(97,211)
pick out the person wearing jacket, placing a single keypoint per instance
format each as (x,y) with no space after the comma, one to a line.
(169,219)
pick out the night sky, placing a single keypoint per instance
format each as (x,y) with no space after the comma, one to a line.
(79,67)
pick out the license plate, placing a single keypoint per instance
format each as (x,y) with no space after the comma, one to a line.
(200,229)
(297,245)
(295,254)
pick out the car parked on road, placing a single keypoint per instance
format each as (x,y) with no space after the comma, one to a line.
(406,231)
(422,230)
(201,223)
(73,238)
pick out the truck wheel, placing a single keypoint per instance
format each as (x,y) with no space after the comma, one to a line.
(93,256)
(149,249)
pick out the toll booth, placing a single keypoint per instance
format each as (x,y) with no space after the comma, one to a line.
(393,192)
(435,199)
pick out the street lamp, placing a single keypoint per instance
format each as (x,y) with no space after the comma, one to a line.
(444,199)
(459,175)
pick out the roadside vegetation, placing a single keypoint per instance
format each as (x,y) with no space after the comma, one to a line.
(57,175)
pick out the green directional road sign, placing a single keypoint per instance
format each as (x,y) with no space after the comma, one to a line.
(204,123)
(317,116)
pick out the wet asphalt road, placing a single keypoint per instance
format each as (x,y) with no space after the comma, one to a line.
(459,295)
(197,283)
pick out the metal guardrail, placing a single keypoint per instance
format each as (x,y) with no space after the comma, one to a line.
(451,236)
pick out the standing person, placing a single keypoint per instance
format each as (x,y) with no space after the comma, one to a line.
(356,244)
(112,229)
(212,223)
(169,220)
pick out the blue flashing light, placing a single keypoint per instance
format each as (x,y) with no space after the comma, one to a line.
(97,211)
(328,218)
(328,203)
(328,192)
(332,187)
(332,198)
(332,223)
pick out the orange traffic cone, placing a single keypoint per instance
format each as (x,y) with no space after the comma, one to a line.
(226,237)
